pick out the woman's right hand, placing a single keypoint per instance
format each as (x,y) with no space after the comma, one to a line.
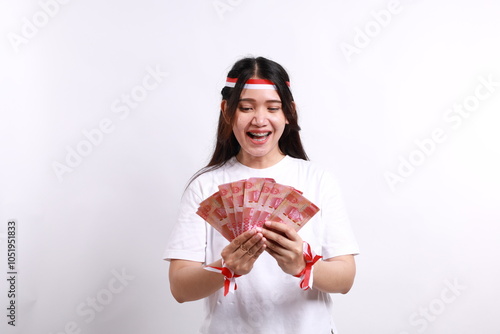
(240,255)
(190,281)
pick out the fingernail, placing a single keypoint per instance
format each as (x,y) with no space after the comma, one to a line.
(268,223)
(259,229)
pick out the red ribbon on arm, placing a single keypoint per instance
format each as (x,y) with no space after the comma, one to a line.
(306,275)
(229,277)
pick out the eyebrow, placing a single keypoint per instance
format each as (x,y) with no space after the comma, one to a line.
(253,100)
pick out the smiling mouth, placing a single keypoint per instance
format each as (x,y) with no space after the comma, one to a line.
(258,136)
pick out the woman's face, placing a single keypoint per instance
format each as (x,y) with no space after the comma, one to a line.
(258,125)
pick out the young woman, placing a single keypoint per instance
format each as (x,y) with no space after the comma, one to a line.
(258,136)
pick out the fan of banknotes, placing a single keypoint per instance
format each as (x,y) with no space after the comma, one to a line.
(246,204)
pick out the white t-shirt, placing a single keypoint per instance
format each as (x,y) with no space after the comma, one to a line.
(267,299)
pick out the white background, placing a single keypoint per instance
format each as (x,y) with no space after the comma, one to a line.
(429,244)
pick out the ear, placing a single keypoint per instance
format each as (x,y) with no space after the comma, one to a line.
(223,107)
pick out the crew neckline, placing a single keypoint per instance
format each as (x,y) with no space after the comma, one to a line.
(283,161)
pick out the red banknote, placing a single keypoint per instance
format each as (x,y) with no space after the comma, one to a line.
(245,204)
(237,191)
(295,210)
(212,210)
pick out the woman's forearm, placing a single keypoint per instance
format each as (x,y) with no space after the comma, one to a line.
(189,281)
(335,275)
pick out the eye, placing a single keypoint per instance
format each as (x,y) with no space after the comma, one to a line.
(274,109)
(245,107)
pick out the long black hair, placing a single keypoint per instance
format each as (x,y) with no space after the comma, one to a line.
(226,145)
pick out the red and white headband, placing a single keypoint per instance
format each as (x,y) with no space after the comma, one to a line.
(254,83)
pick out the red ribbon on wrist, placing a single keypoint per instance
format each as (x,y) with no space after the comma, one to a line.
(306,275)
(229,277)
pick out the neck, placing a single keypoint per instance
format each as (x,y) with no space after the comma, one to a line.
(259,162)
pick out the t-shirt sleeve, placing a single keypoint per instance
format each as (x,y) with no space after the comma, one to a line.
(338,237)
(187,240)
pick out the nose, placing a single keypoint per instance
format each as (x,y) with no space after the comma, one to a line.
(260,117)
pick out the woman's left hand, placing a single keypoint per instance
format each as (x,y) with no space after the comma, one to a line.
(285,245)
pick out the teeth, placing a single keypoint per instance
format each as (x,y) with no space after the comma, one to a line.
(263,134)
